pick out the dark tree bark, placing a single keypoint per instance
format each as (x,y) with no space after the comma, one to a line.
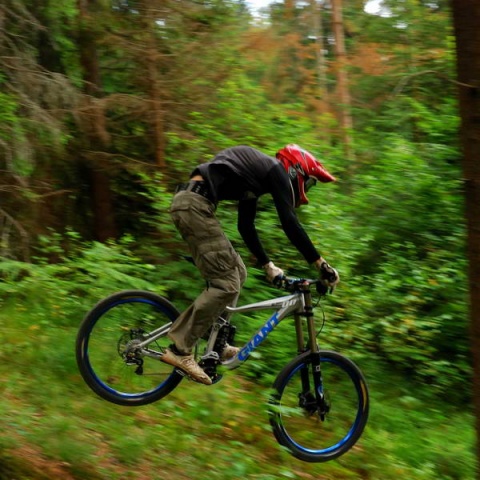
(343,91)
(94,125)
(466,18)
(154,88)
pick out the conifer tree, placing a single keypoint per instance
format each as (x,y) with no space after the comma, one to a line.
(466,15)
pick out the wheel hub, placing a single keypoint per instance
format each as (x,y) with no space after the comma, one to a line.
(127,348)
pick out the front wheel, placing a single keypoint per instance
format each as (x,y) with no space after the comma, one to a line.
(320,423)
(115,353)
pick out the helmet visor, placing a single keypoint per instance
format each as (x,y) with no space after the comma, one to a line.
(309,183)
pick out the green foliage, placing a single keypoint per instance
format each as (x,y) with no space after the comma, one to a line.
(407,451)
(13,137)
(393,225)
(8,112)
(407,265)
(416,318)
(62,291)
(62,20)
(46,405)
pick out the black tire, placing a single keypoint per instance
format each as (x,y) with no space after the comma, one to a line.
(102,340)
(306,434)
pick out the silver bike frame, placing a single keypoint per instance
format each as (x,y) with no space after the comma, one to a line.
(283,306)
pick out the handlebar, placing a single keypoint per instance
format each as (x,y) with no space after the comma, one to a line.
(294,284)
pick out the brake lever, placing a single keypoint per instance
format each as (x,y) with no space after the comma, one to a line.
(322,289)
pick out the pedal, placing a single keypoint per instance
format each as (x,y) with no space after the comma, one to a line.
(216,378)
(211,357)
(182,373)
(209,364)
(185,375)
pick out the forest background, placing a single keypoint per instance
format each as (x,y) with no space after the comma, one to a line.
(106,105)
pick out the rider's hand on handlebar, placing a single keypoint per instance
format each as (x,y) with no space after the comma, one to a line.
(274,274)
(328,275)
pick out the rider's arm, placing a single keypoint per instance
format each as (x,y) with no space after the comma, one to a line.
(281,190)
(247,210)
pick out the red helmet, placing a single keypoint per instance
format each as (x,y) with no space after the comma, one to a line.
(303,169)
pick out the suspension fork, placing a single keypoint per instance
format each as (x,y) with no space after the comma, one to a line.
(316,401)
(301,348)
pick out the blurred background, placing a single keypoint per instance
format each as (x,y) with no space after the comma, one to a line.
(106,105)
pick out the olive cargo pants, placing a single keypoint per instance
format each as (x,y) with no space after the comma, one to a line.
(219,264)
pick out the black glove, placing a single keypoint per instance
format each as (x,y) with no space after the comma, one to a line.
(329,277)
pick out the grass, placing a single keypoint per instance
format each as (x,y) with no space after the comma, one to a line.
(55,427)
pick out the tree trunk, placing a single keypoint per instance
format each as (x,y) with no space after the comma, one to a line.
(94,125)
(157,111)
(154,87)
(317,11)
(466,17)
(346,121)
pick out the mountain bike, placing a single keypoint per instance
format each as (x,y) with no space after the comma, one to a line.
(319,403)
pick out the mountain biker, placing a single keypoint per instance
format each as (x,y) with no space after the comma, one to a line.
(239,173)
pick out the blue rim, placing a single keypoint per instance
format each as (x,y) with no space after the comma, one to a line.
(355,424)
(106,387)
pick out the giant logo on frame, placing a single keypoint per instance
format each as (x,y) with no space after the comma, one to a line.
(261,335)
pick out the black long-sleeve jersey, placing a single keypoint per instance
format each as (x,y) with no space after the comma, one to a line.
(244,174)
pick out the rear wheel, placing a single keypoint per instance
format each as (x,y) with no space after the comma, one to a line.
(107,354)
(317,426)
